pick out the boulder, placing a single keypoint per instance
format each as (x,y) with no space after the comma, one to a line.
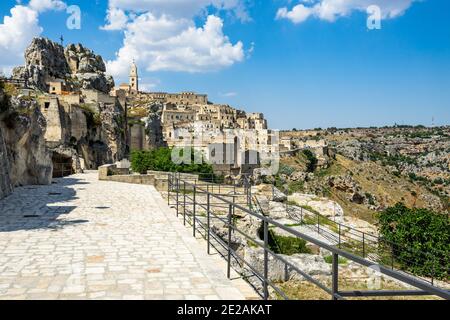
(313,265)
(278,196)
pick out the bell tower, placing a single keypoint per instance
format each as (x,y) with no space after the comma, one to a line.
(134,80)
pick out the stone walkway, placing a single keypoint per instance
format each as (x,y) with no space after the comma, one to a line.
(85,239)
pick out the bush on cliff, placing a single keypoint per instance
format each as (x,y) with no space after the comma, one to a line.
(421,237)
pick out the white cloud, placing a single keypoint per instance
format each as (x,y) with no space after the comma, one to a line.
(176,8)
(16,33)
(45,5)
(117,19)
(298,14)
(175,44)
(19,28)
(330,10)
(162,35)
(229,94)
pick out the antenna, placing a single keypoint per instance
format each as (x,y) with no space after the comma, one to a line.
(62,40)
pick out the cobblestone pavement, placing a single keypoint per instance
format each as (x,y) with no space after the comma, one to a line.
(85,239)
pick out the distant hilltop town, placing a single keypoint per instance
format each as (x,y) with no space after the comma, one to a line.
(185,108)
(160,118)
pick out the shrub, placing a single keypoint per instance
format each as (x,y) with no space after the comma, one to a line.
(284,245)
(290,245)
(161,160)
(421,238)
(329,259)
(296,186)
(285,169)
(312,160)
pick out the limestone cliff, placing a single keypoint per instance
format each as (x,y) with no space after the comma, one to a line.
(24,158)
(46,61)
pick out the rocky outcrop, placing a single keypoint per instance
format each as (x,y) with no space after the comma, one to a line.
(83,60)
(44,60)
(23,154)
(80,67)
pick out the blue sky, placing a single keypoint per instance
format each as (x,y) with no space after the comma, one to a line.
(319,72)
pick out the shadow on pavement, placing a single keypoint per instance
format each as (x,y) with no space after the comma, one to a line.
(36,207)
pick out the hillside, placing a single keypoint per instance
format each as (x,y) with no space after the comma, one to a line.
(368,170)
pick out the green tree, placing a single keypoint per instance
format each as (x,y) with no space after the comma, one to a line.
(421,238)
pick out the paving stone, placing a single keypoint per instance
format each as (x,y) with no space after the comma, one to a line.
(134,249)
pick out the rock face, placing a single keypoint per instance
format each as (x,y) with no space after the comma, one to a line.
(47,61)
(313,265)
(44,60)
(24,157)
(153,127)
(5,180)
(326,207)
(83,60)
(90,138)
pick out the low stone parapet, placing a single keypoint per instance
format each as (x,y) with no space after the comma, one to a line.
(110,172)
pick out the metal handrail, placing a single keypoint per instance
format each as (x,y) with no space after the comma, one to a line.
(364,238)
(174,185)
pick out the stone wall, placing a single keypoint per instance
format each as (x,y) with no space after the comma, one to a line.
(24,157)
(5,181)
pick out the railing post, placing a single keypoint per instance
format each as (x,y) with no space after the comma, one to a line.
(433,272)
(208,220)
(392,256)
(168,189)
(301,215)
(230,211)
(194,209)
(178,193)
(335,275)
(286,272)
(364,245)
(339,235)
(184,202)
(318,224)
(266,259)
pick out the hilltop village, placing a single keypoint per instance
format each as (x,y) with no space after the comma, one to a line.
(190,119)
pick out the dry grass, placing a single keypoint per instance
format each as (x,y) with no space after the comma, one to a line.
(304,290)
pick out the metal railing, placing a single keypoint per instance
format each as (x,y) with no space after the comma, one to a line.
(200,207)
(366,245)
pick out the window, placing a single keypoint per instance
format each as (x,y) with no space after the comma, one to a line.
(47,105)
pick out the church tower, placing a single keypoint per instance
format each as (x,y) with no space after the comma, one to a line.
(134,80)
